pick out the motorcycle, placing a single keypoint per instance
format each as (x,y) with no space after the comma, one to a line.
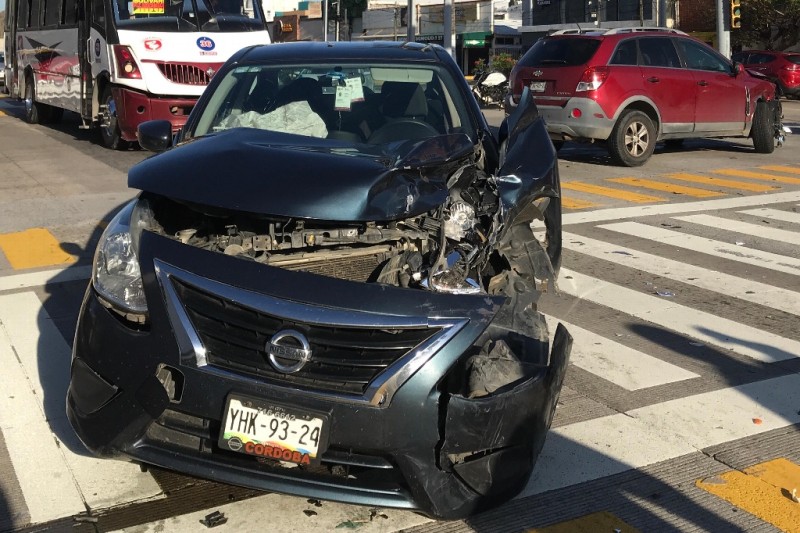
(490,88)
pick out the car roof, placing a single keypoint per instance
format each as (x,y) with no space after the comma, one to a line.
(344,50)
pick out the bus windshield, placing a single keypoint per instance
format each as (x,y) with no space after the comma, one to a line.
(188,15)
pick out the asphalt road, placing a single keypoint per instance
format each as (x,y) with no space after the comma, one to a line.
(681,407)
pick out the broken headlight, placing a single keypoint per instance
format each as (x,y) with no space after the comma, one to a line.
(115,274)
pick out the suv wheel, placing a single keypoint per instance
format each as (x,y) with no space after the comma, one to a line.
(633,139)
(763,130)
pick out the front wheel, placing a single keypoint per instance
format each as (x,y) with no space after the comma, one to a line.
(763,130)
(35,112)
(633,139)
(109,127)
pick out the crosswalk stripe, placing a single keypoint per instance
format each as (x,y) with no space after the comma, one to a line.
(751,230)
(719,182)
(41,359)
(611,193)
(736,202)
(617,363)
(616,443)
(667,187)
(740,338)
(741,254)
(44,277)
(774,214)
(780,168)
(756,175)
(574,203)
(721,283)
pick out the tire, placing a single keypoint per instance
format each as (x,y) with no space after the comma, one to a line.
(633,139)
(35,113)
(763,130)
(110,133)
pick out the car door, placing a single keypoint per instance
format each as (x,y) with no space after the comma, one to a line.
(720,94)
(667,84)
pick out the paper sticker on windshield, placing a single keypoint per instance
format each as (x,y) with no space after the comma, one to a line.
(356,90)
(148,7)
(343,98)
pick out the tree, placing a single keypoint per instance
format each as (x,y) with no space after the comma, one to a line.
(771,24)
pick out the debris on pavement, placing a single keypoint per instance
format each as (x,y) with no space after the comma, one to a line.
(757,421)
(214,519)
(309,512)
(666,294)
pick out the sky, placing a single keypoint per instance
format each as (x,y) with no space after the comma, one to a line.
(2,5)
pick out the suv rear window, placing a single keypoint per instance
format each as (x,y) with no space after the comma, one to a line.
(560,52)
(793,59)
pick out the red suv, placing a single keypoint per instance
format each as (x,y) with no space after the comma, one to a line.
(634,87)
(782,68)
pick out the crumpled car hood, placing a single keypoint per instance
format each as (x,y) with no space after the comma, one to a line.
(260,172)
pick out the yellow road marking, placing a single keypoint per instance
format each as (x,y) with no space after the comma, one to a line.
(35,247)
(573,203)
(588,524)
(667,187)
(3,113)
(612,193)
(756,175)
(732,184)
(764,490)
(778,168)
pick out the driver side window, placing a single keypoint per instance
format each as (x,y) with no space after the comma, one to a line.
(699,57)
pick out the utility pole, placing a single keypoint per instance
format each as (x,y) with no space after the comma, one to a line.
(411,14)
(325,19)
(447,30)
(723,37)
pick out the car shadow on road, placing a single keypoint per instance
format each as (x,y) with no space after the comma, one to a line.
(56,322)
(597,153)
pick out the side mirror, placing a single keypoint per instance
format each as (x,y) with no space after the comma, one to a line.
(154,135)
(738,69)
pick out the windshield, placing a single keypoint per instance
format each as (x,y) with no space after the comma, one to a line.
(189,15)
(358,104)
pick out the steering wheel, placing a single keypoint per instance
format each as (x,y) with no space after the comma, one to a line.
(402,129)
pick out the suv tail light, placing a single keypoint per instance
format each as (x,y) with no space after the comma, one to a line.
(592,79)
(126,64)
(790,75)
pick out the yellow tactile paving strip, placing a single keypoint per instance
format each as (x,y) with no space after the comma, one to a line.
(655,184)
(667,187)
(593,523)
(720,182)
(611,193)
(763,490)
(32,248)
(756,175)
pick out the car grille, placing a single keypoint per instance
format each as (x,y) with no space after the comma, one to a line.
(185,73)
(345,359)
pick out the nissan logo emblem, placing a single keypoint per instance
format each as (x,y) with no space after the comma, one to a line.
(537,73)
(289,351)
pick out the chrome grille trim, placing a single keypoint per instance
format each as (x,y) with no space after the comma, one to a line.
(380,390)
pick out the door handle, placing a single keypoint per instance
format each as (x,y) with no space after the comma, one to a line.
(702,83)
(653,79)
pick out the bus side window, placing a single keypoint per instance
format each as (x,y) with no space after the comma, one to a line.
(22,14)
(69,13)
(36,15)
(99,13)
(51,12)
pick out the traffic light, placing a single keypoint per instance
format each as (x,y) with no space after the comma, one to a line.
(736,14)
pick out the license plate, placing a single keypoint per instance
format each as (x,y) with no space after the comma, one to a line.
(537,86)
(273,431)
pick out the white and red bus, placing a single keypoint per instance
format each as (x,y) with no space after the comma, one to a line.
(121,62)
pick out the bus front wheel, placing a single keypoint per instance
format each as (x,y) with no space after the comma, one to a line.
(109,127)
(35,112)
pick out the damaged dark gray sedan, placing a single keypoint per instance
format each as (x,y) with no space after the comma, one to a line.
(328,287)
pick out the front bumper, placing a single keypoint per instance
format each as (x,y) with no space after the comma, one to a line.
(424,446)
(134,107)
